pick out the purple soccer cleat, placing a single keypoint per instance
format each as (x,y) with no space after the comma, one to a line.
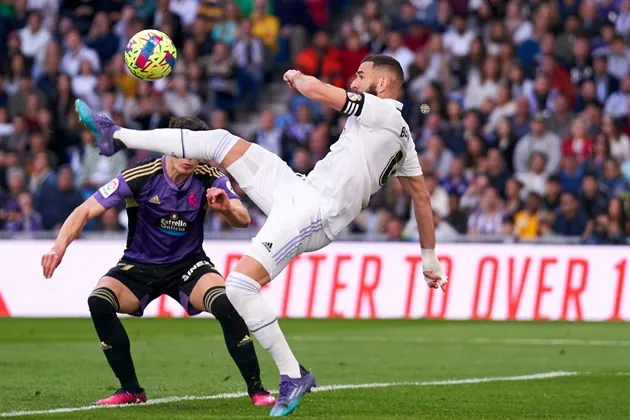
(291,392)
(101,127)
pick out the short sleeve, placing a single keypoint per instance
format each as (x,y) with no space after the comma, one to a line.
(224,183)
(410,164)
(374,110)
(113,193)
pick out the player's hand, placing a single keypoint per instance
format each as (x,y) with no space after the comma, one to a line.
(51,260)
(289,75)
(435,281)
(433,272)
(218,200)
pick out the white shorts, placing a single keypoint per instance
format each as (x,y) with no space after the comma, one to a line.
(294,223)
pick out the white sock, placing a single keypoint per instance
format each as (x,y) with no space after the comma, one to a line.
(208,145)
(244,293)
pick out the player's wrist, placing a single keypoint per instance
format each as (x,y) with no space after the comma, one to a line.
(428,254)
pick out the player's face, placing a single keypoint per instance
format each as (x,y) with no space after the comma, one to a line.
(185,166)
(365,82)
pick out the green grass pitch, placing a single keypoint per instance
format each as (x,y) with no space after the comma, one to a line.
(47,364)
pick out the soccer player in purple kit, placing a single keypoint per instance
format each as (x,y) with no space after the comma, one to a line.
(165,203)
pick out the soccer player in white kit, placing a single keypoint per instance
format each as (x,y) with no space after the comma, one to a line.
(304,213)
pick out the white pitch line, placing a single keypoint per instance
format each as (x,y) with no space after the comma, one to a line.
(478,340)
(324,388)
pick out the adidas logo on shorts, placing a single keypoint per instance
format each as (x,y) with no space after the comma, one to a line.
(267,245)
(246,340)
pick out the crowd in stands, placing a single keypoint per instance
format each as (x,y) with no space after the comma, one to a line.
(526,133)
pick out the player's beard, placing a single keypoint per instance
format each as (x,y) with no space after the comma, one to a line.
(372,90)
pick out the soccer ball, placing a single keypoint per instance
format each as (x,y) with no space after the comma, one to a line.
(150,55)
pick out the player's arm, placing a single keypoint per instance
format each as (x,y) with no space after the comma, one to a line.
(70,230)
(317,90)
(416,188)
(108,196)
(222,199)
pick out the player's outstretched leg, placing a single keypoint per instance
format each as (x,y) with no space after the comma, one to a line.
(110,138)
(103,304)
(244,293)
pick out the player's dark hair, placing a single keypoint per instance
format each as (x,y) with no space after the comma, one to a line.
(388,63)
(188,123)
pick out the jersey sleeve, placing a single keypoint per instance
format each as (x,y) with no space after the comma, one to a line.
(370,110)
(411,164)
(113,193)
(224,183)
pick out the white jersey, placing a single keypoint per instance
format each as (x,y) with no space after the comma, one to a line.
(374,146)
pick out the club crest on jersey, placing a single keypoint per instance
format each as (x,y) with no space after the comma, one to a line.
(173,225)
(193,200)
(109,188)
(354,97)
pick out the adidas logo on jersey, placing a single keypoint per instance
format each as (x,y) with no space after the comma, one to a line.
(267,245)
(155,200)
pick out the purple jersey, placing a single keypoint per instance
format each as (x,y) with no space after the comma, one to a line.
(165,220)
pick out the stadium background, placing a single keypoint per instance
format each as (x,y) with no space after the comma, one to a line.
(526,141)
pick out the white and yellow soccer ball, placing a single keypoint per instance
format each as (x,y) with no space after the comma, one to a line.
(150,55)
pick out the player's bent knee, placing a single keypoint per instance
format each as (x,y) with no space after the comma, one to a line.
(103,300)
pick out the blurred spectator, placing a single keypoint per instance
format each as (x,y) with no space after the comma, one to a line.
(301,161)
(617,105)
(505,108)
(456,218)
(622,24)
(496,169)
(77,53)
(180,101)
(56,204)
(570,220)
(265,26)
(109,221)
(34,37)
(439,203)
(219,120)
(561,118)
(457,41)
(483,84)
(553,190)
(488,220)
(249,55)
(534,180)
(441,157)
(455,181)
(25,219)
(226,29)
(301,127)
(619,58)
(221,71)
(513,195)
(571,173)
(397,49)
(605,83)
(322,60)
(271,137)
(472,197)
(612,179)
(42,176)
(593,199)
(522,117)
(97,170)
(526,221)
(539,140)
(444,232)
(353,53)
(578,143)
(84,85)
(619,142)
(101,39)
(185,9)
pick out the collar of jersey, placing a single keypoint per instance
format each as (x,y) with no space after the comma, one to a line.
(398,105)
(170,182)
